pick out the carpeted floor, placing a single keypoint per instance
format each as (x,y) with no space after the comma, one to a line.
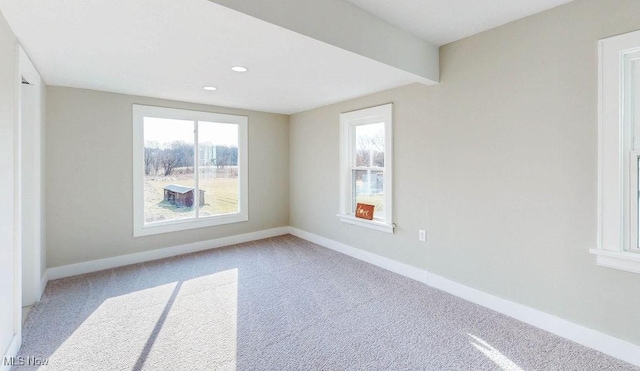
(279,304)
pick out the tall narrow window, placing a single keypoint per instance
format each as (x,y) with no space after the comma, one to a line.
(365,175)
(189,169)
(619,153)
(631,119)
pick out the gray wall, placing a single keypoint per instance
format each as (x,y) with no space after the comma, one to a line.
(8,104)
(89,176)
(498,163)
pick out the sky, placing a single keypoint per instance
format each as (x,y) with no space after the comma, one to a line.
(165,131)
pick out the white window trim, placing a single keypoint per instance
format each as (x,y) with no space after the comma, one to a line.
(139,226)
(383,113)
(617,186)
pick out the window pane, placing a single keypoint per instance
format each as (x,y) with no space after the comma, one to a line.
(169,175)
(634,95)
(369,189)
(369,144)
(218,159)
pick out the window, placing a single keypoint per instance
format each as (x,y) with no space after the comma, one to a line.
(365,166)
(189,171)
(619,153)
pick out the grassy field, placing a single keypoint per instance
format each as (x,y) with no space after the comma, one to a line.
(221,197)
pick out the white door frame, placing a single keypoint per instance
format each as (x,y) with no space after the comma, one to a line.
(30,178)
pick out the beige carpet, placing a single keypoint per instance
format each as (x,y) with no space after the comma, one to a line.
(279,304)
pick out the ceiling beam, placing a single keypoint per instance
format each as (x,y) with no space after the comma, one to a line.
(344,25)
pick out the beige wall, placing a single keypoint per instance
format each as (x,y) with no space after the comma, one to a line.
(89,176)
(498,163)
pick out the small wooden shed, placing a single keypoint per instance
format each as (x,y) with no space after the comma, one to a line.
(181,195)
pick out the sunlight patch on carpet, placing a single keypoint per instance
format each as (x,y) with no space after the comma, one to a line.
(493,354)
(160,326)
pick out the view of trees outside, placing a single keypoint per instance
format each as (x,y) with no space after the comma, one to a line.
(218,168)
(369,158)
(169,159)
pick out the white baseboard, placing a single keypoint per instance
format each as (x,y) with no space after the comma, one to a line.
(607,344)
(167,252)
(377,260)
(12,351)
(604,343)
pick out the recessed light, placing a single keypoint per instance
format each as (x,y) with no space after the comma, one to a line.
(239,69)
(211,88)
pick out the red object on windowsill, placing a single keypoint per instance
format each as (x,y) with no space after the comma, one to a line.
(364,211)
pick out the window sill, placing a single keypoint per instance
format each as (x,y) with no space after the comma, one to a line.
(623,260)
(186,224)
(372,224)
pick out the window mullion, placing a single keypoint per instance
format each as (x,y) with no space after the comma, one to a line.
(196,170)
(633,201)
(352,163)
(372,168)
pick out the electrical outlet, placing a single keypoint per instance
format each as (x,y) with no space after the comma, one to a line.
(422,235)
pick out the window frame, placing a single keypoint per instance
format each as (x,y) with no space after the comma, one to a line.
(140,228)
(348,122)
(618,196)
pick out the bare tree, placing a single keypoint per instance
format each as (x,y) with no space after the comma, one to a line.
(157,161)
(363,152)
(226,156)
(169,161)
(151,157)
(370,150)
(377,143)
(148,160)
(179,154)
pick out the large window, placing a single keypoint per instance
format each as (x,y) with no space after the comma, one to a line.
(365,173)
(619,153)
(190,169)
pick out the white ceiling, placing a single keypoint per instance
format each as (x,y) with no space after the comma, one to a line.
(172,49)
(443,21)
